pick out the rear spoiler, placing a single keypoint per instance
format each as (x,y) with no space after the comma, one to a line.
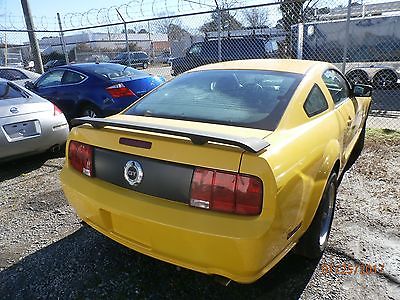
(198,137)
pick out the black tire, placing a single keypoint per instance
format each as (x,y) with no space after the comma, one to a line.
(90,111)
(314,241)
(385,79)
(357,76)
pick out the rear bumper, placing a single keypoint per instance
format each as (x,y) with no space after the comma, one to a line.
(237,247)
(54,131)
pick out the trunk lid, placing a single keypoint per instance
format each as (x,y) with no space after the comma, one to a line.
(140,86)
(168,147)
(160,164)
(21,106)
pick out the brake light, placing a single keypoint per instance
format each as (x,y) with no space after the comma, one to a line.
(80,157)
(57,111)
(119,90)
(226,192)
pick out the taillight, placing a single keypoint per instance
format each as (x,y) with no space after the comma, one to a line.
(226,192)
(57,111)
(119,90)
(80,157)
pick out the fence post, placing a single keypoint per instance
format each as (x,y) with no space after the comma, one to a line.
(32,36)
(5,50)
(219,34)
(63,46)
(126,38)
(347,36)
(300,40)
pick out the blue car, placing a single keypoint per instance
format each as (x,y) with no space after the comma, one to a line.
(93,89)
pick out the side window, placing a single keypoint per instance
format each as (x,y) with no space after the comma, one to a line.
(71,77)
(315,102)
(337,85)
(195,49)
(51,79)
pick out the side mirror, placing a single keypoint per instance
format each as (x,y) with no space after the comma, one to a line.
(362,90)
(30,85)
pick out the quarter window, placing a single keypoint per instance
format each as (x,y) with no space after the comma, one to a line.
(315,102)
(72,77)
(337,85)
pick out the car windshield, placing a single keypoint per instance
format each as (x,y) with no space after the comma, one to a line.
(246,98)
(113,71)
(8,91)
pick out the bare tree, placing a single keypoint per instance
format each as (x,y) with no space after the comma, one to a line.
(171,26)
(256,17)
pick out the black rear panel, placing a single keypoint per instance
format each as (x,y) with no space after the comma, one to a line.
(161,179)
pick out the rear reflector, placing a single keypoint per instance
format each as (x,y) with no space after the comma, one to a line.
(80,157)
(119,90)
(226,192)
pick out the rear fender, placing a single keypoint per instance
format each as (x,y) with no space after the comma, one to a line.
(331,156)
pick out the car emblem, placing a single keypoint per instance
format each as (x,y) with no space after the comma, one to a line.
(14,110)
(133,172)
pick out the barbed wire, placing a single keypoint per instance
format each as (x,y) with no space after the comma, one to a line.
(132,10)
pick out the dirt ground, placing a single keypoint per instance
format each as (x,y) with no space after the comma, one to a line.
(46,253)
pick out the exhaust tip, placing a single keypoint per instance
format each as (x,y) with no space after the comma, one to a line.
(55,149)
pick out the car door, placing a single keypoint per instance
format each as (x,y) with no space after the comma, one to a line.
(69,92)
(347,109)
(48,85)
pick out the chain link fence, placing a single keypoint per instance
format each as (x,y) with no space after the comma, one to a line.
(361,40)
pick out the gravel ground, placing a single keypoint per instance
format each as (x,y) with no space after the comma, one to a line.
(46,253)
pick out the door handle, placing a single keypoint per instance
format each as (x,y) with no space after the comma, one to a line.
(349,121)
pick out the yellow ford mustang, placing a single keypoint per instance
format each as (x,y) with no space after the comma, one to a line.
(225,168)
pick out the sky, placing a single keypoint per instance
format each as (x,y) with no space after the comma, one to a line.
(45,11)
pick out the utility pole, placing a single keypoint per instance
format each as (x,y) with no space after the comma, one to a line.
(32,37)
(126,38)
(63,45)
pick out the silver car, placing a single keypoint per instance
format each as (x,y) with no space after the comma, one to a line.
(28,123)
(19,76)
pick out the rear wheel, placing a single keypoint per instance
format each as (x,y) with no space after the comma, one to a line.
(313,243)
(90,111)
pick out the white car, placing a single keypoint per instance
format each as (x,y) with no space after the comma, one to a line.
(29,124)
(17,75)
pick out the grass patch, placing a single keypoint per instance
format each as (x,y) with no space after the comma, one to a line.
(374,133)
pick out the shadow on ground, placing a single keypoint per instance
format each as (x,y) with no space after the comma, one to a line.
(16,167)
(86,264)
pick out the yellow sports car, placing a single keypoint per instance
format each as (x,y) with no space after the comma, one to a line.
(225,168)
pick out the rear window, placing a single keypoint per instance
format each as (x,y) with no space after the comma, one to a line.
(7,91)
(11,74)
(246,98)
(112,71)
